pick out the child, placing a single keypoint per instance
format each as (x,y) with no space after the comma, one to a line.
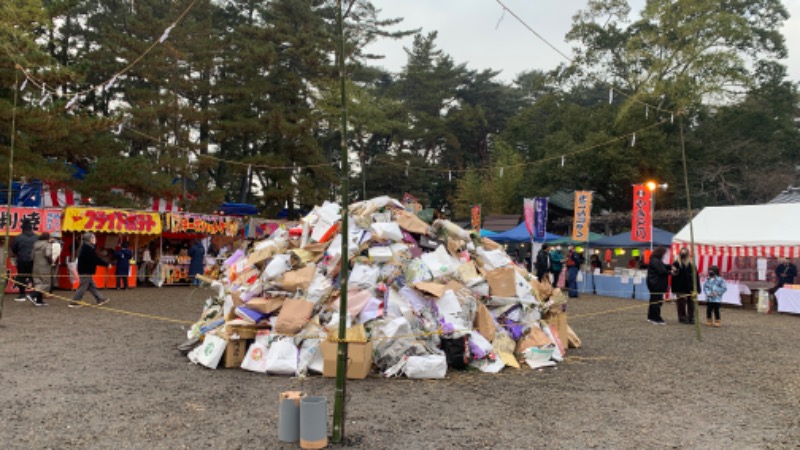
(714,287)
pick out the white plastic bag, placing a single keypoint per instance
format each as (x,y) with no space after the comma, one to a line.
(309,354)
(440,262)
(387,230)
(256,358)
(210,352)
(278,266)
(282,357)
(363,276)
(72,266)
(428,366)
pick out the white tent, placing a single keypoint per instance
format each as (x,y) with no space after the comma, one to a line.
(724,233)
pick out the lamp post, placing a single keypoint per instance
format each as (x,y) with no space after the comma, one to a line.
(651,186)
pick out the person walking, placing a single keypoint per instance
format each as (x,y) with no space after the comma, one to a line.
(42,262)
(22,249)
(657,284)
(197,262)
(684,276)
(714,288)
(87,266)
(123,257)
(543,263)
(573,267)
(556,263)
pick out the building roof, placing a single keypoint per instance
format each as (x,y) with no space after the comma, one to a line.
(790,195)
(501,223)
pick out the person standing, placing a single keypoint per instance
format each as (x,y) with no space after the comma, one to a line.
(556,263)
(23,250)
(657,284)
(714,288)
(42,262)
(573,267)
(684,274)
(543,263)
(197,262)
(123,257)
(87,266)
(785,273)
(57,246)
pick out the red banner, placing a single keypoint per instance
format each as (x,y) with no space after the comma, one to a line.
(527,210)
(41,219)
(476,217)
(642,218)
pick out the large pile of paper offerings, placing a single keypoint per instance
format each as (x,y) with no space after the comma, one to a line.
(422,297)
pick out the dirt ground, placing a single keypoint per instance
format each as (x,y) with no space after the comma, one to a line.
(89,378)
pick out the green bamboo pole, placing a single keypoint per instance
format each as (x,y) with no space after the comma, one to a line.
(341,354)
(695,281)
(9,191)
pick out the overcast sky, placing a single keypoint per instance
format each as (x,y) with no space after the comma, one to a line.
(469,32)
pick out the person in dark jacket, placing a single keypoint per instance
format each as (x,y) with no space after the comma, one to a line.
(543,263)
(574,261)
(87,266)
(197,263)
(784,273)
(23,250)
(123,257)
(657,283)
(556,264)
(684,276)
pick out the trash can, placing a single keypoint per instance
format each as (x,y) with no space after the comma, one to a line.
(289,416)
(313,422)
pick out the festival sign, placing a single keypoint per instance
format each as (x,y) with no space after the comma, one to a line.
(41,219)
(106,220)
(527,210)
(642,220)
(201,224)
(539,219)
(583,215)
(476,217)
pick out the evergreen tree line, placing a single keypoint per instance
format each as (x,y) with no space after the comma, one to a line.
(241,103)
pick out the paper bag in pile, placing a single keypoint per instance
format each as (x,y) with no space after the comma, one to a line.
(298,279)
(484,322)
(410,222)
(293,316)
(266,306)
(502,282)
(535,338)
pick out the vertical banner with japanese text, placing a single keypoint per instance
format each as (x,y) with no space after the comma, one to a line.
(539,219)
(528,213)
(476,217)
(583,215)
(642,219)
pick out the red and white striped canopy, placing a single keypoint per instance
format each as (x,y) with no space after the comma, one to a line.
(164,205)
(59,198)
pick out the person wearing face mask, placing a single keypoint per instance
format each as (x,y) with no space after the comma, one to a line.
(684,274)
(556,263)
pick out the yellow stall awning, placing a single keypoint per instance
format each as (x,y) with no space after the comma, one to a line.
(107,220)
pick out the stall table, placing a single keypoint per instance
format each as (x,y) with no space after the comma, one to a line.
(788,300)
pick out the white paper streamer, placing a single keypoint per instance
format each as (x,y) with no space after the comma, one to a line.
(501,172)
(24,83)
(563,159)
(449,176)
(71,103)
(611,96)
(165,35)
(633,140)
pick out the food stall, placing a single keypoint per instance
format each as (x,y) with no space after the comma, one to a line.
(112,227)
(42,219)
(180,230)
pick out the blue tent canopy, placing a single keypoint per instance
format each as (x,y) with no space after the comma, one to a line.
(623,240)
(487,233)
(238,209)
(520,234)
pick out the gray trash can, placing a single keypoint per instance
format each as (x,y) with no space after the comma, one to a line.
(289,418)
(313,422)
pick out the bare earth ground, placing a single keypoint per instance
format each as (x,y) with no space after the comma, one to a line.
(89,378)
